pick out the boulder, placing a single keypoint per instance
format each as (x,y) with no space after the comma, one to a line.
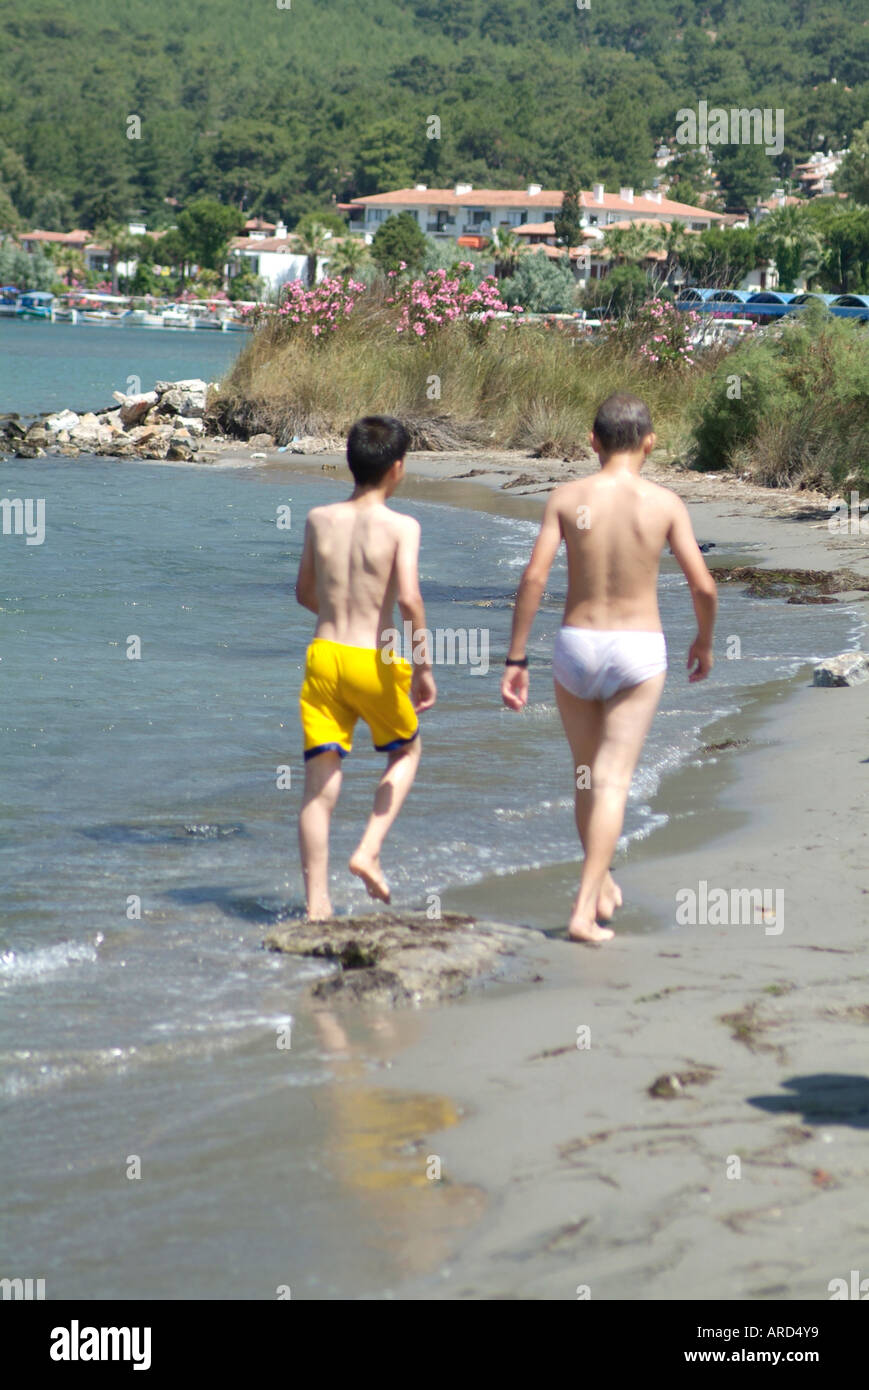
(62,420)
(69,451)
(13,430)
(192,423)
(37,434)
(182,397)
(87,431)
(851,668)
(262,441)
(402,958)
(26,449)
(134,408)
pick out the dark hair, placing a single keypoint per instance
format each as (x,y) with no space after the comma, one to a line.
(373,445)
(622,422)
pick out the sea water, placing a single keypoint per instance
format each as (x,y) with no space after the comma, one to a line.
(151,653)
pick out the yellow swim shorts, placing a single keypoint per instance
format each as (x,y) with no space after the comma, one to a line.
(345,683)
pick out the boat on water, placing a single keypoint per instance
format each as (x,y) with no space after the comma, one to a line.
(177,316)
(146,313)
(35,304)
(105,309)
(9,296)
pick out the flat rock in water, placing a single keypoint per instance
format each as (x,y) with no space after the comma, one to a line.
(851,668)
(404,957)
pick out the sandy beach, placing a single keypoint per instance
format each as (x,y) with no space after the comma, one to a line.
(682,1113)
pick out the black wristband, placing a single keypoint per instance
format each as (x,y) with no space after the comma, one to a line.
(516,661)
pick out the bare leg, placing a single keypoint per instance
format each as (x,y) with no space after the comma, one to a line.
(627,718)
(583,724)
(393,787)
(322,785)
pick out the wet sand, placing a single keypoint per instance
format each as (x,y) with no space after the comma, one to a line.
(682,1113)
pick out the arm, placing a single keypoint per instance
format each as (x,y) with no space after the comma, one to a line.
(514,683)
(423,690)
(704,594)
(306,580)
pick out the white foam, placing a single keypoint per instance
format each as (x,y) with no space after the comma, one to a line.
(41,964)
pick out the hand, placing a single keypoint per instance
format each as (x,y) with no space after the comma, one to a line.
(514,687)
(700,661)
(423,691)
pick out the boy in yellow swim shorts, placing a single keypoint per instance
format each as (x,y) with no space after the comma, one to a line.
(359,559)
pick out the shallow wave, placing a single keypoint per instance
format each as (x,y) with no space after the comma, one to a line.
(44,963)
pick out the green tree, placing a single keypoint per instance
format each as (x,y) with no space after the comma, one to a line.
(540,285)
(505,248)
(26,270)
(845,263)
(246,286)
(399,238)
(347,256)
(624,289)
(330,221)
(787,236)
(206,227)
(853,173)
(746,175)
(720,256)
(120,244)
(313,243)
(568,221)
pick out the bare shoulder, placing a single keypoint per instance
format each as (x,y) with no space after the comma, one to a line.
(319,516)
(567,496)
(665,497)
(401,524)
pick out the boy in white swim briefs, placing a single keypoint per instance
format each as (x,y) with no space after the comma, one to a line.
(610,657)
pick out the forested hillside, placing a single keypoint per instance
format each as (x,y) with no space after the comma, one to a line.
(282,110)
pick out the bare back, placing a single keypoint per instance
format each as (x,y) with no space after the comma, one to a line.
(359,550)
(615,527)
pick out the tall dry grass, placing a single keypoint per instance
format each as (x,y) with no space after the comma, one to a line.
(503,385)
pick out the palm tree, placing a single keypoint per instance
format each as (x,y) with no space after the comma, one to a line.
(119,243)
(348,257)
(505,248)
(70,262)
(788,237)
(313,243)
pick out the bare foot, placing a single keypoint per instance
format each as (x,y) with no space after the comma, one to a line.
(609,898)
(368,869)
(589,932)
(319,912)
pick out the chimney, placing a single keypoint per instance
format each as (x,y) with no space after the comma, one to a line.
(653,195)
(421,187)
(534,189)
(598,192)
(461,188)
(280,229)
(627,194)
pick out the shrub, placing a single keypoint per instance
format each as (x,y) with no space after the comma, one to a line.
(539,285)
(791,406)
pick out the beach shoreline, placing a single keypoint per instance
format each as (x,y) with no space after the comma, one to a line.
(600,1183)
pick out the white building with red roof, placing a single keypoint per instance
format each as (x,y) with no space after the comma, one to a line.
(463,212)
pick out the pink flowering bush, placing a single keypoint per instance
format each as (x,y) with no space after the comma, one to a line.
(315,312)
(441,297)
(660,333)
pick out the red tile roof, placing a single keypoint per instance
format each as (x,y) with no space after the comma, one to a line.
(520,198)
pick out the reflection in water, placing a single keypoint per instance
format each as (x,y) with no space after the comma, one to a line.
(380,1147)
